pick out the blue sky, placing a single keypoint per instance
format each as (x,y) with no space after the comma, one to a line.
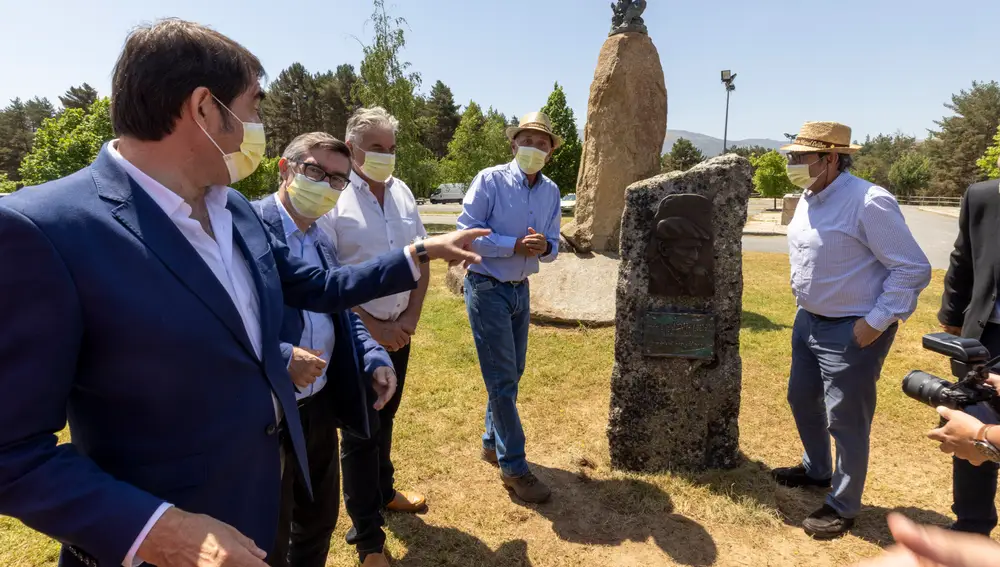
(877,65)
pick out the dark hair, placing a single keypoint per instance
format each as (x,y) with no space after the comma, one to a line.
(845,162)
(163,63)
(304,143)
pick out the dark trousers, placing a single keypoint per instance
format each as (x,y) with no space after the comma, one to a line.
(974,488)
(832,393)
(306,524)
(365,460)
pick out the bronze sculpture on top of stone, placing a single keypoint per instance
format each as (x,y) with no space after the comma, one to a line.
(628,17)
(680,251)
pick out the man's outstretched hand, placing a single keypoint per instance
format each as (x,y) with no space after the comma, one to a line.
(454,246)
(182,539)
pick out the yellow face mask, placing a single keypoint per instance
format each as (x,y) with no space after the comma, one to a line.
(243,163)
(530,160)
(378,167)
(311,199)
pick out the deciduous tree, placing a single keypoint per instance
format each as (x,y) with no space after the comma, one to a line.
(770,177)
(67,143)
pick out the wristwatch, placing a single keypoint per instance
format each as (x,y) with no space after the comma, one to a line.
(422,256)
(985,448)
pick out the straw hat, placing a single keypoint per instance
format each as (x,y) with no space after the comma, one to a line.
(823,137)
(538,122)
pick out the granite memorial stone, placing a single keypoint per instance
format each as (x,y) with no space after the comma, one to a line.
(675,388)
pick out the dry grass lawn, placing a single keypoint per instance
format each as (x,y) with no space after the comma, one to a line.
(599,517)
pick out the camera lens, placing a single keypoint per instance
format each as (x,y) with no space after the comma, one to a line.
(928,389)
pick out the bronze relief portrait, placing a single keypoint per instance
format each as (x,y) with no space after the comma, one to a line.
(681,251)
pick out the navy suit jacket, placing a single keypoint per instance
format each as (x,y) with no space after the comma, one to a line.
(112,320)
(355,355)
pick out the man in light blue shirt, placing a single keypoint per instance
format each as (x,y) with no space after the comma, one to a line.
(856,273)
(521,207)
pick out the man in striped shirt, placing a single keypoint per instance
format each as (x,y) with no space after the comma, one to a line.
(856,273)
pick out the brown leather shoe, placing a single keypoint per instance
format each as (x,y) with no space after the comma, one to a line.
(527,487)
(490,456)
(376,560)
(407,502)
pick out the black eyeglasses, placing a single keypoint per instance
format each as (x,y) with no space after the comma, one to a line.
(316,173)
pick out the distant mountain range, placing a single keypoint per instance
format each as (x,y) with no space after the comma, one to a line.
(709,145)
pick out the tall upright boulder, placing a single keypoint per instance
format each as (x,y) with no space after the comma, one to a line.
(623,139)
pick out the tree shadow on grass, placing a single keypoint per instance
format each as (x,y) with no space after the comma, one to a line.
(610,512)
(752,483)
(448,547)
(758,322)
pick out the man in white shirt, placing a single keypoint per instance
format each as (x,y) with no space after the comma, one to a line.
(159,296)
(376,215)
(323,350)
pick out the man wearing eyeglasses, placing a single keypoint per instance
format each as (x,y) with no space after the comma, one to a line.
(331,358)
(856,273)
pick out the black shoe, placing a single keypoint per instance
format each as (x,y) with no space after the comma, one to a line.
(826,523)
(796,477)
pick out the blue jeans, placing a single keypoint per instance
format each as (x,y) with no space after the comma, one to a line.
(974,489)
(499,314)
(832,393)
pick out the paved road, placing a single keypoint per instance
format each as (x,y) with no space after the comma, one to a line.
(934,232)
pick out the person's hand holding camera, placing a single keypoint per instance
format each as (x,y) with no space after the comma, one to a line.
(959,435)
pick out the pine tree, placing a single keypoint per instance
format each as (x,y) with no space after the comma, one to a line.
(441,119)
(291,107)
(682,157)
(964,138)
(18,123)
(565,162)
(79,97)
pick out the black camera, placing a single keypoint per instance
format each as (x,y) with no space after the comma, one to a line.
(970,363)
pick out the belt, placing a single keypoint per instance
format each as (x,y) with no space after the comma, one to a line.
(491,278)
(831,319)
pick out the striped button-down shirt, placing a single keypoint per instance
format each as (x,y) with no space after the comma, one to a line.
(500,199)
(852,254)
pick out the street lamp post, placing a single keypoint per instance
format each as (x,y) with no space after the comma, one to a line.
(727,79)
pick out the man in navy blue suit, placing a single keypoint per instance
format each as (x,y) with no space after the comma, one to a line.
(141,299)
(329,355)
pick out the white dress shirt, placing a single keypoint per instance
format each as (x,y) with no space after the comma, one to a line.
(318,333)
(362,230)
(221,255)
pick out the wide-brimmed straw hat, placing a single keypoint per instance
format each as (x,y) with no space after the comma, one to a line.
(537,121)
(823,137)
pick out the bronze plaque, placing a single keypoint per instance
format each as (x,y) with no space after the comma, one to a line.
(681,249)
(667,334)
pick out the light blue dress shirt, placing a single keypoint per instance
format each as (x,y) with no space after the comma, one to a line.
(318,333)
(852,254)
(500,199)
